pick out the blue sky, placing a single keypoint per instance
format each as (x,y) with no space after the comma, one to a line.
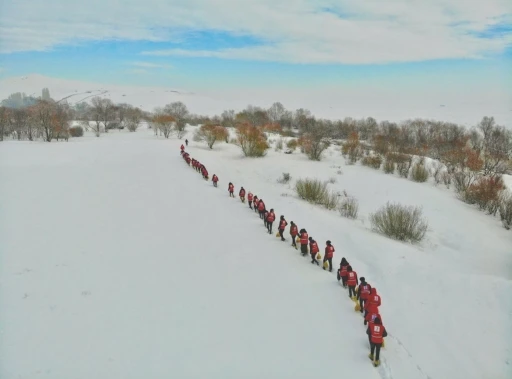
(299,44)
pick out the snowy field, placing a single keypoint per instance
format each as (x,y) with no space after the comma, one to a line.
(118,261)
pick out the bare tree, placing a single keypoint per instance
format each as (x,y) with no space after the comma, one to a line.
(179,112)
(61,120)
(4,122)
(496,147)
(276,112)
(315,142)
(132,118)
(44,111)
(210,134)
(165,123)
(104,110)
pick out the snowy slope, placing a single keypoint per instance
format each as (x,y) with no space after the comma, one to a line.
(118,260)
(392,104)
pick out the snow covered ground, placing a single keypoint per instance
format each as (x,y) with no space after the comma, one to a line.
(118,261)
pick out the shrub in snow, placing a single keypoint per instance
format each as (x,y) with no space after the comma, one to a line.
(446,177)
(332,180)
(210,134)
(505,210)
(165,124)
(372,161)
(400,222)
(436,171)
(76,131)
(279,144)
(486,193)
(352,148)
(292,144)
(285,178)
(313,144)
(419,173)
(349,207)
(312,190)
(251,140)
(389,166)
(462,180)
(331,200)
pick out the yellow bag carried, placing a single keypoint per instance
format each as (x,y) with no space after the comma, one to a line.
(357,308)
(326,264)
(318,256)
(278,235)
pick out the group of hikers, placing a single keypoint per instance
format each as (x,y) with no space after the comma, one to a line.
(366,299)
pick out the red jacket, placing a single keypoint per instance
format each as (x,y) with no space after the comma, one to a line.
(182,147)
(282,224)
(215,178)
(373,299)
(329,251)
(351,278)
(364,291)
(249,196)
(231,188)
(370,316)
(377,333)
(294,230)
(271,217)
(304,238)
(261,206)
(343,270)
(241,193)
(313,248)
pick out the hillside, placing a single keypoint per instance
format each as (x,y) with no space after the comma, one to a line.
(337,103)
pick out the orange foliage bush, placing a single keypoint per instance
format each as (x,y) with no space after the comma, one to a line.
(251,140)
(485,192)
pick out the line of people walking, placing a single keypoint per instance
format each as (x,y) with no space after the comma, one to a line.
(365,297)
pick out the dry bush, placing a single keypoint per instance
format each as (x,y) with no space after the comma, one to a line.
(446,177)
(165,124)
(400,222)
(389,166)
(436,171)
(314,143)
(403,168)
(285,178)
(251,140)
(486,193)
(419,173)
(462,180)
(352,148)
(332,180)
(76,131)
(279,144)
(311,190)
(505,210)
(292,144)
(374,161)
(331,201)
(349,207)
(211,134)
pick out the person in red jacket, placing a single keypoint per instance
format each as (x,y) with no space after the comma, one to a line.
(370,317)
(373,302)
(215,179)
(282,227)
(242,194)
(304,239)
(261,210)
(256,202)
(342,272)
(352,282)
(271,216)
(231,189)
(329,254)
(250,198)
(363,291)
(204,171)
(182,147)
(313,250)
(293,232)
(376,332)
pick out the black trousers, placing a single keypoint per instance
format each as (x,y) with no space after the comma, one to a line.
(294,243)
(304,249)
(344,281)
(375,348)
(313,259)
(330,263)
(281,231)
(269,227)
(215,184)
(231,194)
(262,216)
(250,204)
(351,291)
(361,303)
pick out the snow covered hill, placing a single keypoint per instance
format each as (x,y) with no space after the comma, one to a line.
(392,104)
(118,261)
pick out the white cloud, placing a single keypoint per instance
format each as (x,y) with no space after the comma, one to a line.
(150,65)
(137,71)
(299,31)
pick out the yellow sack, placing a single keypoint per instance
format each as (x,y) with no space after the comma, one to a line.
(356,288)
(326,264)
(278,235)
(318,256)
(383,343)
(298,239)
(357,308)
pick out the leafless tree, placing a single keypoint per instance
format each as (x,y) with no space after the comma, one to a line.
(4,122)
(44,111)
(496,147)
(179,112)
(132,118)
(276,112)
(104,111)
(228,118)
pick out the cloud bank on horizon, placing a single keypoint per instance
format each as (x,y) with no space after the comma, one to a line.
(288,31)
